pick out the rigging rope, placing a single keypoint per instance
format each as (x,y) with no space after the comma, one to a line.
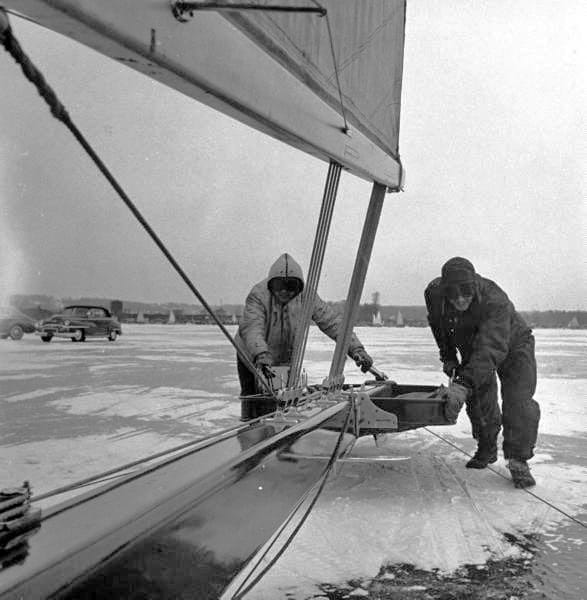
(204,441)
(179,9)
(338,86)
(245,588)
(560,510)
(31,72)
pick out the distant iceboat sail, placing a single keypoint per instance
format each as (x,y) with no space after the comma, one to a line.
(377,320)
(171,318)
(399,321)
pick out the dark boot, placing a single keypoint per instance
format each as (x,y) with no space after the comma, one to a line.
(248,410)
(481,459)
(253,407)
(485,455)
(521,475)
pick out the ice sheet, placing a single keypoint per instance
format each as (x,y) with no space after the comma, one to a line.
(68,411)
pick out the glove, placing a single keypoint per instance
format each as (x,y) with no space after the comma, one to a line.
(264,362)
(448,366)
(456,395)
(362,359)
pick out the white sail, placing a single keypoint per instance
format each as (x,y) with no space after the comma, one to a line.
(377,320)
(283,73)
(399,320)
(171,318)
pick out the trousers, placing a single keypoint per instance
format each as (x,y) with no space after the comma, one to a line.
(519,414)
(254,403)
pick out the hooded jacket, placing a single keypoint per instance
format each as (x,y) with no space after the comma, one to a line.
(485,334)
(268,326)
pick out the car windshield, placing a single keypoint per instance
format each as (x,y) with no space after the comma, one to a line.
(84,311)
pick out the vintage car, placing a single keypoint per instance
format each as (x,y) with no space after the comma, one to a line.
(14,324)
(79,322)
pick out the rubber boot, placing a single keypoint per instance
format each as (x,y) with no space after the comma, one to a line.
(486,454)
(256,406)
(248,411)
(521,475)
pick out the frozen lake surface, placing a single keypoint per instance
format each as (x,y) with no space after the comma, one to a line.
(69,410)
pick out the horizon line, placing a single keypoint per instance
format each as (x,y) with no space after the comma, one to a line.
(173,302)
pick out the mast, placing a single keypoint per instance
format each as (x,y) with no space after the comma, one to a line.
(357,282)
(321,238)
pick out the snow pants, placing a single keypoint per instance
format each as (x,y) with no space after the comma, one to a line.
(520,413)
(253,402)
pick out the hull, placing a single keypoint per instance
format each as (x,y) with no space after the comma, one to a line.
(211,507)
(189,524)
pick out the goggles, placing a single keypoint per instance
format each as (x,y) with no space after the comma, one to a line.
(284,284)
(460,290)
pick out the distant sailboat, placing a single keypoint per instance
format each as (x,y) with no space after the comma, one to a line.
(377,320)
(171,318)
(573,323)
(141,317)
(399,321)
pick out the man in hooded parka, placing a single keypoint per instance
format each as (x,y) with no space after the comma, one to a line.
(267,330)
(473,315)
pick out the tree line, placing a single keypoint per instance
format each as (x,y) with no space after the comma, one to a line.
(413,316)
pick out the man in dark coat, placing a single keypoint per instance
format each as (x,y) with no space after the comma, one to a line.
(471,315)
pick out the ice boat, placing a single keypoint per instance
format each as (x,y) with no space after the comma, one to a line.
(324,77)
(377,320)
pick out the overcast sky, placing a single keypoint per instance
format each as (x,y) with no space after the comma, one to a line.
(493,139)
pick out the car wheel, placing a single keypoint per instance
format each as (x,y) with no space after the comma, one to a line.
(79,335)
(47,337)
(16,332)
(113,335)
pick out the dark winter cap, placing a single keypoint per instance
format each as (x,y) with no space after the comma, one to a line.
(457,270)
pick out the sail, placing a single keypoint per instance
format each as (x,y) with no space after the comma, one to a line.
(399,321)
(171,318)
(328,85)
(368,40)
(377,320)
